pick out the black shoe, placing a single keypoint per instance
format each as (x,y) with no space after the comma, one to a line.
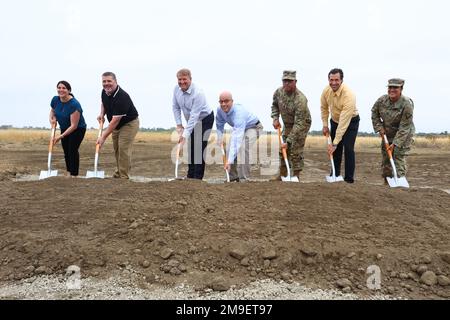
(234,180)
(349,180)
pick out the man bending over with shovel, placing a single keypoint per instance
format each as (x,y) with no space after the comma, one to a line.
(392,115)
(246,129)
(292,105)
(191,100)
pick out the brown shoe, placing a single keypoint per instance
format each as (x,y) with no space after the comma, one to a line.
(297,173)
(275,178)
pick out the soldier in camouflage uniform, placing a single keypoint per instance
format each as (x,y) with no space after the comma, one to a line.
(392,115)
(292,104)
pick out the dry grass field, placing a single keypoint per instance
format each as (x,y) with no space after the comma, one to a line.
(12,136)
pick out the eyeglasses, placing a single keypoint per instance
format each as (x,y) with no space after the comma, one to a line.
(224,101)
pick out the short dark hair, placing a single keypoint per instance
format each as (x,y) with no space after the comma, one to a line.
(109,74)
(336,70)
(65,84)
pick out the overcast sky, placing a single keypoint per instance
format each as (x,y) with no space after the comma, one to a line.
(237,45)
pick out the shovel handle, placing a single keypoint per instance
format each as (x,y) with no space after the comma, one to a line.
(224,160)
(386,145)
(100,131)
(329,143)
(52,136)
(280,139)
(283,151)
(97,147)
(224,157)
(391,159)
(177,160)
(178,152)
(333,169)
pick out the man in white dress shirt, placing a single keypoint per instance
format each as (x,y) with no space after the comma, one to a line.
(199,121)
(246,130)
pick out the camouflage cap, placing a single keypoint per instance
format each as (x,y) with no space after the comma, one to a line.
(396,82)
(289,75)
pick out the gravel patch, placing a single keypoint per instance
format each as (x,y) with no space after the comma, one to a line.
(119,288)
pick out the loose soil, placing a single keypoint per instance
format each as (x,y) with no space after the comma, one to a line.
(213,236)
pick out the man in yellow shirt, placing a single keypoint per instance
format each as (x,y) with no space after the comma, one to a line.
(339,101)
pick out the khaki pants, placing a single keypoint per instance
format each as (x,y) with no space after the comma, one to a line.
(245,157)
(123,146)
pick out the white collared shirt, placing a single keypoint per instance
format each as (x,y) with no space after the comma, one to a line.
(193,104)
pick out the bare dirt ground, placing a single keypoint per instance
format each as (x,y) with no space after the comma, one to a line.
(217,236)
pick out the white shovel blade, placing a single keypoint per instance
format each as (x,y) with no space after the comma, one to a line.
(227,175)
(332,179)
(401,182)
(47,174)
(176,179)
(93,174)
(176,173)
(290,179)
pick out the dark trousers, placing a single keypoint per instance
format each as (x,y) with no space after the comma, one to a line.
(348,145)
(197,143)
(71,144)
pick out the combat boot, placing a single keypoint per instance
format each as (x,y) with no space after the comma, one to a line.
(297,173)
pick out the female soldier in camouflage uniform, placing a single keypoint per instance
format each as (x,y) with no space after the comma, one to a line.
(392,115)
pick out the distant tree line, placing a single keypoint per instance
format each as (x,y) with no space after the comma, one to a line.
(312,133)
(157,129)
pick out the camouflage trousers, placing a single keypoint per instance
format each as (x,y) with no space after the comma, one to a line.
(399,157)
(294,152)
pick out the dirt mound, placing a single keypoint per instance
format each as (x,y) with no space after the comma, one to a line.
(214,236)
